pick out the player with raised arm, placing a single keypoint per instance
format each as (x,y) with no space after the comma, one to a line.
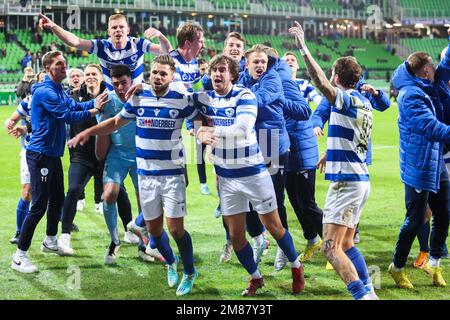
(347,144)
(159,112)
(119,48)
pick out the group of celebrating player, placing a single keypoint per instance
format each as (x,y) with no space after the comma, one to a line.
(254,113)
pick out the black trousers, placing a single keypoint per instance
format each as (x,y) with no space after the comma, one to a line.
(416,202)
(300,187)
(47,188)
(201,169)
(79,176)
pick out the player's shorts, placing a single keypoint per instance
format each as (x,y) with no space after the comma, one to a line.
(162,195)
(236,193)
(116,171)
(24,172)
(447,162)
(344,202)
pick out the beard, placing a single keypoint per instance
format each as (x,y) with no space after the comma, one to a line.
(161,89)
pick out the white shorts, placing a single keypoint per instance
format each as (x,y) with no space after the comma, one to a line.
(162,194)
(24,172)
(236,193)
(344,202)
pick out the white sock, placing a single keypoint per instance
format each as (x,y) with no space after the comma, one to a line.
(295,264)
(314,241)
(203,184)
(394,268)
(256,275)
(50,239)
(21,253)
(434,263)
(258,241)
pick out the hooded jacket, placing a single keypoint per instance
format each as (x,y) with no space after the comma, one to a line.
(273,106)
(422,131)
(51,107)
(304,152)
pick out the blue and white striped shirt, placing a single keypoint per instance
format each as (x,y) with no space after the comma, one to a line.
(233,156)
(132,56)
(349,132)
(159,147)
(187,72)
(23,109)
(308,91)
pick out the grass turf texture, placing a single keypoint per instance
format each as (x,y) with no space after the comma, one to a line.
(133,279)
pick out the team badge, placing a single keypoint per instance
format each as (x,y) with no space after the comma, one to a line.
(140,111)
(44,171)
(134,58)
(204,110)
(173,113)
(229,112)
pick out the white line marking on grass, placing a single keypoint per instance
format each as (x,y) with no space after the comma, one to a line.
(377,147)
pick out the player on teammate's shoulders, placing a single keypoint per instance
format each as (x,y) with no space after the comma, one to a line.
(346,168)
(159,112)
(119,48)
(231,111)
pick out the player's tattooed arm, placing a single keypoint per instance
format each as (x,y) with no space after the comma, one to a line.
(316,73)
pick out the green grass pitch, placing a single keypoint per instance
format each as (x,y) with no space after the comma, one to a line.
(84,276)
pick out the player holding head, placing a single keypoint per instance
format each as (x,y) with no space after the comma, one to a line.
(231,111)
(345,166)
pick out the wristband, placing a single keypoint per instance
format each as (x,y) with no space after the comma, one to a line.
(304,51)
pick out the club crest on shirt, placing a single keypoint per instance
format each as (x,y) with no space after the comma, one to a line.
(173,113)
(140,111)
(204,110)
(134,58)
(44,171)
(229,112)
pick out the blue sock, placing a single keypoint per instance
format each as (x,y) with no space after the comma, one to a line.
(356,288)
(186,252)
(360,264)
(245,257)
(140,222)
(163,246)
(22,210)
(287,245)
(110,214)
(423,235)
(152,241)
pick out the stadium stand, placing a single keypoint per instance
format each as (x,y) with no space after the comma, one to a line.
(422,9)
(432,46)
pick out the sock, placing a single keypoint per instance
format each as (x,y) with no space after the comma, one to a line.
(110,214)
(423,235)
(295,264)
(360,264)
(163,246)
(434,263)
(258,241)
(314,241)
(256,275)
(245,257)
(140,222)
(356,288)
(203,184)
(22,210)
(287,245)
(21,253)
(152,241)
(186,252)
(50,239)
(395,269)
